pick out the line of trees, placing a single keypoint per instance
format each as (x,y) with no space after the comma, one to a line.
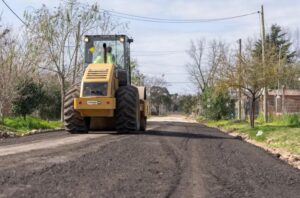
(218,71)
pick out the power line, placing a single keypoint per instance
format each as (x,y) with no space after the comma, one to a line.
(178,22)
(14,13)
(165,73)
(143,52)
(160,51)
(164,20)
(180,82)
(157,54)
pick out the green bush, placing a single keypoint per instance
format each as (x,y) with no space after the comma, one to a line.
(292,120)
(30,123)
(288,120)
(188,103)
(29,93)
(50,105)
(217,105)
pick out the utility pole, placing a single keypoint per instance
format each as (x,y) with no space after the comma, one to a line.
(263,36)
(278,83)
(239,73)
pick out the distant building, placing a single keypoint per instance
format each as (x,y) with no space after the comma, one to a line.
(283,101)
(279,102)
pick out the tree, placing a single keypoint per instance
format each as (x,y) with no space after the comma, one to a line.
(250,75)
(160,97)
(188,103)
(279,56)
(137,78)
(204,65)
(29,95)
(8,69)
(58,34)
(217,104)
(278,39)
(50,104)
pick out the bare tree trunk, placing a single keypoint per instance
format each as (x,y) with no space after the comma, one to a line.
(1,113)
(76,54)
(62,93)
(252,113)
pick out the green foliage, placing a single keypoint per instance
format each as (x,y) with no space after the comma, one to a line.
(28,97)
(188,103)
(280,58)
(137,78)
(160,96)
(51,103)
(277,38)
(21,125)
(289,120)
(217,105)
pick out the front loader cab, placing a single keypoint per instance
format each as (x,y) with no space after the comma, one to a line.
(110,49)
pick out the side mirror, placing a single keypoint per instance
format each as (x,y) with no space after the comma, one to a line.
(130,40)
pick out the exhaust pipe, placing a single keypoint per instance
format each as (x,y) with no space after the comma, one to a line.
(105,52)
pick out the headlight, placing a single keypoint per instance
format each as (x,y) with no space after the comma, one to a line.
(122,39)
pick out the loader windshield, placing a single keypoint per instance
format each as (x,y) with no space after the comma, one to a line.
(114,52)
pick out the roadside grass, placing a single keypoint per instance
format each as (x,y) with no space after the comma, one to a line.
(21,126)
(280,132)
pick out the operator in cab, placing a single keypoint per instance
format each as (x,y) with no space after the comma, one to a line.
(109,57)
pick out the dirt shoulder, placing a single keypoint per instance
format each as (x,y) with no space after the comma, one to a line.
(263,138)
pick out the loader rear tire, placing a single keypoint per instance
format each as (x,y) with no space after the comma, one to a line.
(73,121)
(127,109)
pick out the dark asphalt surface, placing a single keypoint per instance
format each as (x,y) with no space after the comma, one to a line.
(174,159)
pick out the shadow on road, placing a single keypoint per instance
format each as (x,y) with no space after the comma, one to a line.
(176,129)
(181,134)
(184,130)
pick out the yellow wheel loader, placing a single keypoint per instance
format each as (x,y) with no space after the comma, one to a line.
(105,99)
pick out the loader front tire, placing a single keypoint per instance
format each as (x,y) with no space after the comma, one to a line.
(127,109)
(73,121)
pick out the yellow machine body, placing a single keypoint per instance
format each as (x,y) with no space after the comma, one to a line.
(102,106)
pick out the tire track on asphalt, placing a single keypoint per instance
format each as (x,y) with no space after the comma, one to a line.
(46,144)
(51,143)
(170,150)
(183,152)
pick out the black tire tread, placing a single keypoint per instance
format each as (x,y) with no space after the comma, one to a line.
(73,121)
(127,107)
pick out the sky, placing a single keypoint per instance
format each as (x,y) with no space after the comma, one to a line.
(150,37)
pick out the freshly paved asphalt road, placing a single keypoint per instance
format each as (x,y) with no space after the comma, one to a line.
(171,159)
